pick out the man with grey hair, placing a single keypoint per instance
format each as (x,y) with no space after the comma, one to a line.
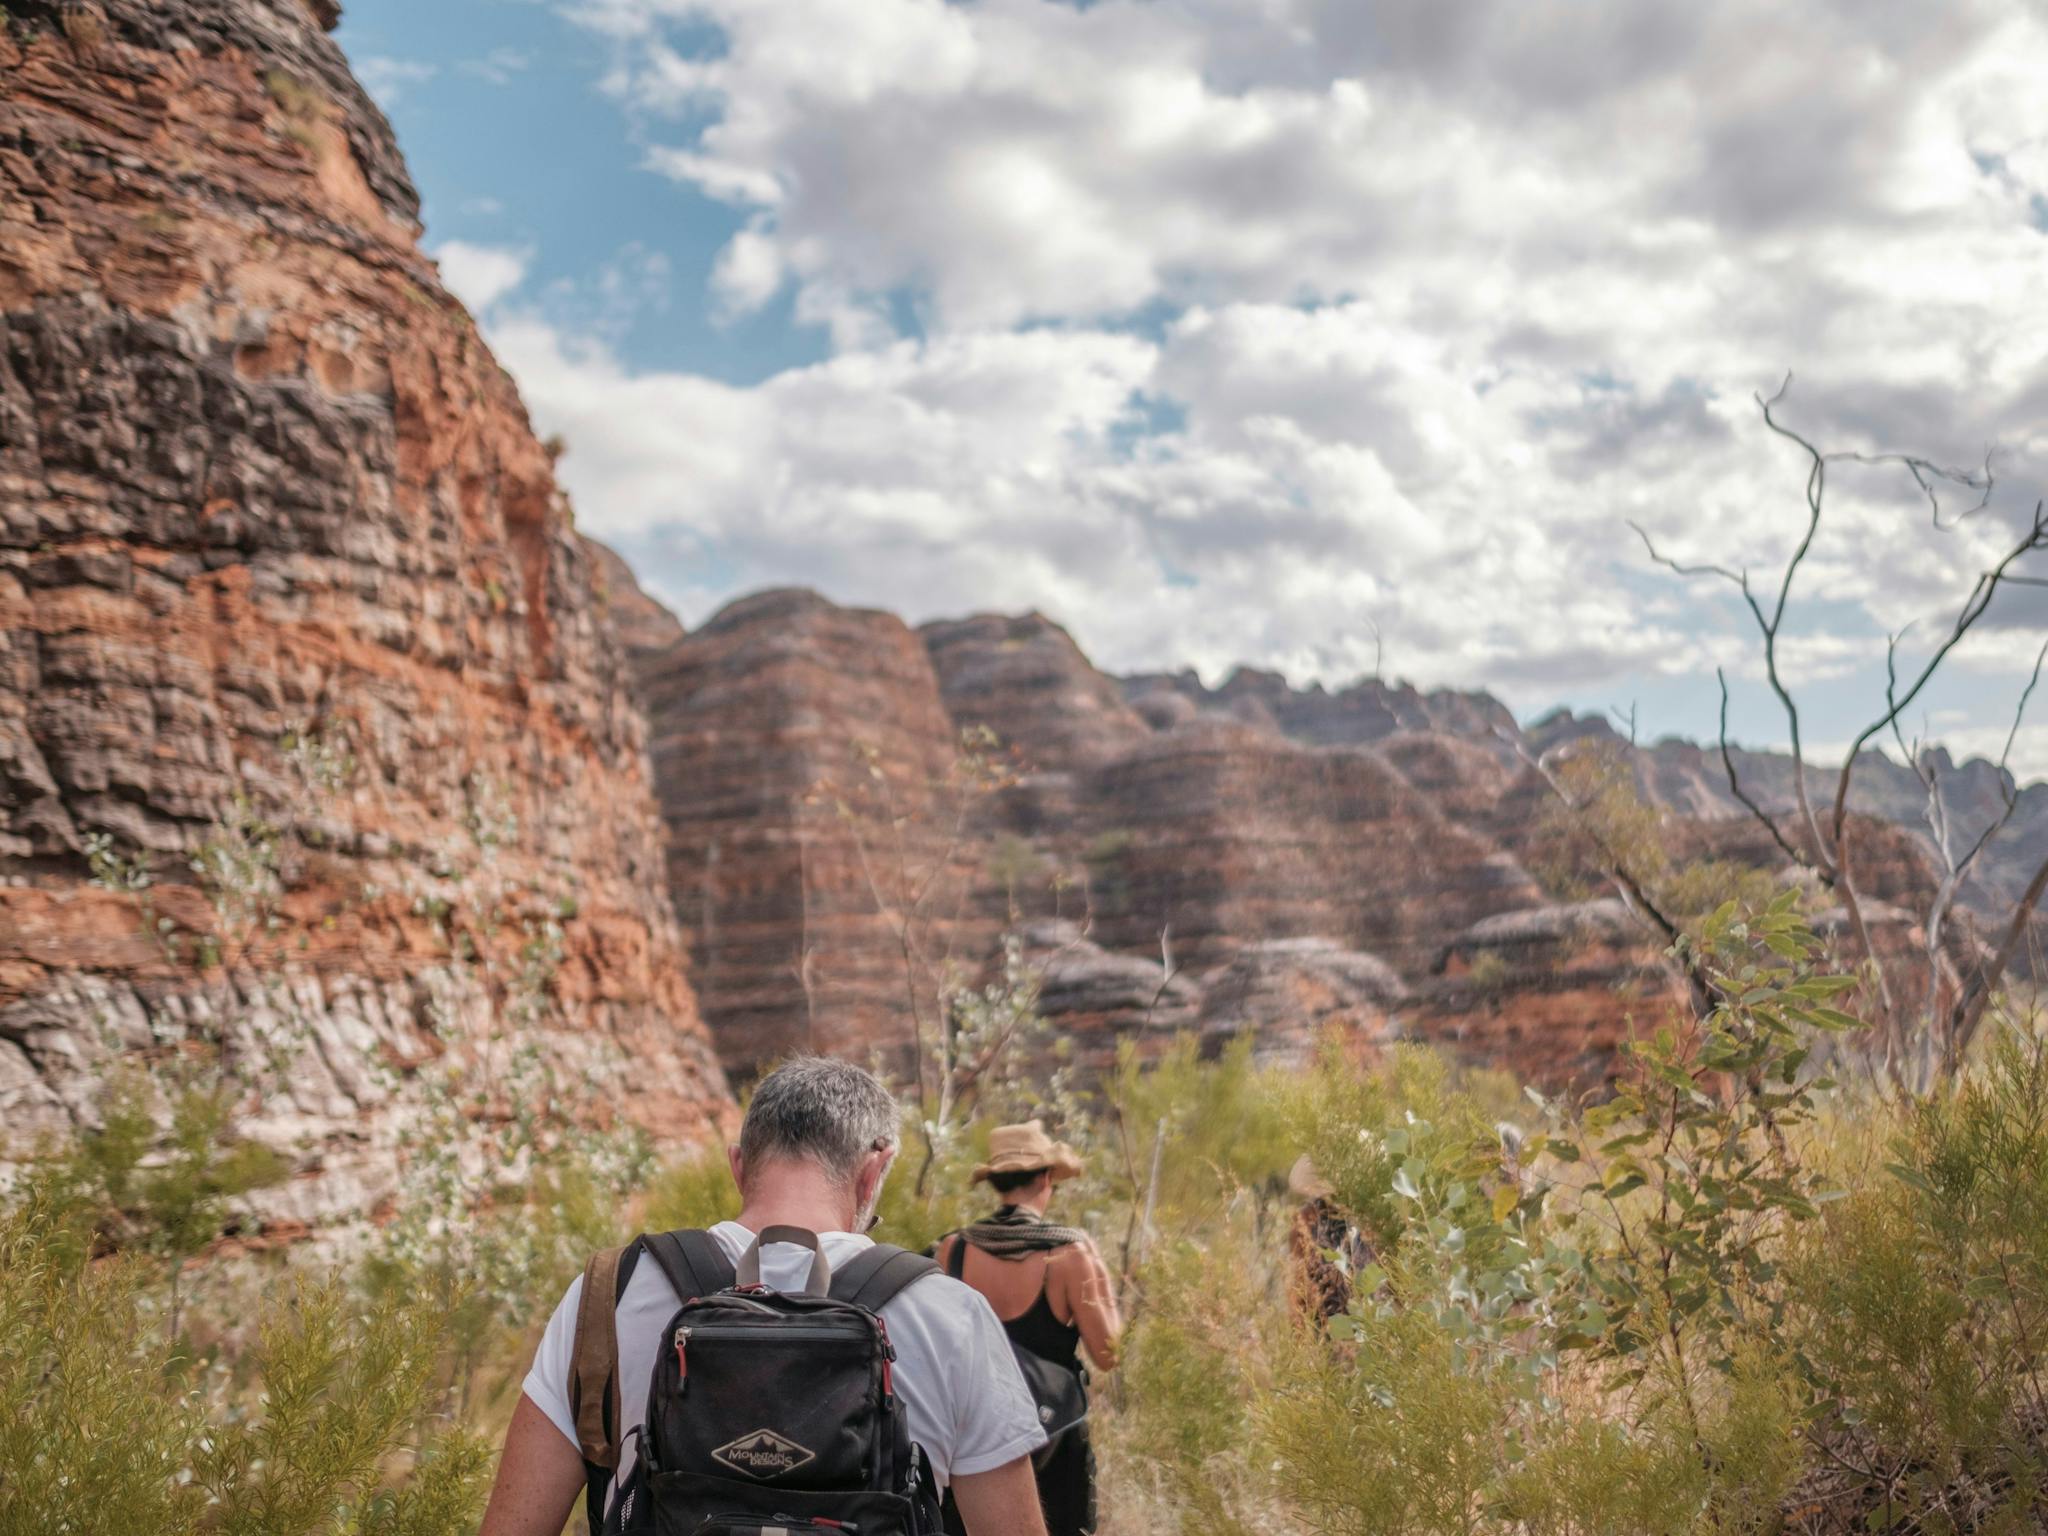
(816,1144)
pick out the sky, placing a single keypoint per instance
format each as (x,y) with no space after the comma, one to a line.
(1315,335)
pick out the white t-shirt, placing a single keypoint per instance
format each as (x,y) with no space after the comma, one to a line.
(963,1397)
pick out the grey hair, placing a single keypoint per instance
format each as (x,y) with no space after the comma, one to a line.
(831,1112)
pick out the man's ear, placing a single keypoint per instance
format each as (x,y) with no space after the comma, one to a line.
(738,1165)
(874,1169)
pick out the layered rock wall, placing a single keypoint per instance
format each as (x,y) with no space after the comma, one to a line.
(853,807)
(1249,858)
(284,571)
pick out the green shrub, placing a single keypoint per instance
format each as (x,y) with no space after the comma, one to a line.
(695,1192)
(102,1430)
(94,1436)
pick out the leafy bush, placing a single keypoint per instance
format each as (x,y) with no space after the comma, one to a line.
(1701,1305)
(104,1428)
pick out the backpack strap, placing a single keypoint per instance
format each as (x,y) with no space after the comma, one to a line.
(693,1261)
(594,1361)
(956,1261)
(874,1278)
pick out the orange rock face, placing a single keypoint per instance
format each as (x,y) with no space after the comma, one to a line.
(258,477)
(831,859)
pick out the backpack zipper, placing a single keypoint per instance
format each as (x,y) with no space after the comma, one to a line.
(701,1331)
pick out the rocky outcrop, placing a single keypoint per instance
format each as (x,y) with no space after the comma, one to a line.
(641,624)
(1692,781)
(1376,862)
(287,590)
(1367,711)
(1289,995)
(1223,835)
(1093,999)
(1550,994)
(853,808)
(805,760)
(1025,682)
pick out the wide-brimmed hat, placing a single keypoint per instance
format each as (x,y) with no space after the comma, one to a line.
(1026,1149)
(1304,1182)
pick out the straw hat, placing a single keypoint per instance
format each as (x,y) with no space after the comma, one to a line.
(1305,1183)
(1026,1149)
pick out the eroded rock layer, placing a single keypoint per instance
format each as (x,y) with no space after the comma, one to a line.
(853,811)
(283,571)
(854,806)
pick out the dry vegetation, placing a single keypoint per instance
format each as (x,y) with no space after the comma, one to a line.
(1730,1296)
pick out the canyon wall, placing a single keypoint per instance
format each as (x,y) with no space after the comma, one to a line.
(299,655)
(855,806)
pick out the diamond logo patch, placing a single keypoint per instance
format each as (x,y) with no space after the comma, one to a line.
(763,1453)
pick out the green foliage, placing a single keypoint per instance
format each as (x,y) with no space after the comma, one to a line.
(1920,1303)
(1396,1435)
(100,1431)
(1182,1375)
(1598,824)
(1730,1297)
(161,1180)
(1696,889)
(1700,1305)
(92,1435)
(1226,1127)
(1381,1138)
(1489,972)
(695,1192)
(1688,1167)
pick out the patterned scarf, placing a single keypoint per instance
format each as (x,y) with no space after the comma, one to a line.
(1015,1233)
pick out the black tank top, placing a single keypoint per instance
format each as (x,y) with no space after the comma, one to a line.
(1036,1328)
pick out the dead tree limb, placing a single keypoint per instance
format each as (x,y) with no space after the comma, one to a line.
(1627,884)
(1828,852)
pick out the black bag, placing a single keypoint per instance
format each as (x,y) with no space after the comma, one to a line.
(774,1411)
(1059,1390)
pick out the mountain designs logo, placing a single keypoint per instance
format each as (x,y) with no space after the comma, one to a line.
(763,1453)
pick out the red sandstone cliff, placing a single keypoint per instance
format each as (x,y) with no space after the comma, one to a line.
(258,475)
(852,806)
(1373,859)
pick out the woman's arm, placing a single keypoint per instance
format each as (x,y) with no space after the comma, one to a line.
(1090,1303)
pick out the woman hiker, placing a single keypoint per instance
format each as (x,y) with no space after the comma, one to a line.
(1048,1285)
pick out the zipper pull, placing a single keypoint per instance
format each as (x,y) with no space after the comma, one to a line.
(682,1357)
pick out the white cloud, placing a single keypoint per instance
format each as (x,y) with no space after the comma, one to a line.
(480,275)
(498,67)
(386,79)
(1251,323)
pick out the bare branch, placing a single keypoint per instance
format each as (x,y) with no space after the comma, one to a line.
(1735,788)
(1830,855)
(1973,609)
(1699,986)
(1739,578)
(1968,1014)
(1628,719)
(1911,754)
(1816,488)
(2019,714)
(1930,476)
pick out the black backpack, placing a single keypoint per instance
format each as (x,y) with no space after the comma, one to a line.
(769,1411)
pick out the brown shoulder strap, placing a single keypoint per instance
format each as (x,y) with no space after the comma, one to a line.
(594,1363)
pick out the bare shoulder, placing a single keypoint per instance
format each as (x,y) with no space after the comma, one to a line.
(1081,1258)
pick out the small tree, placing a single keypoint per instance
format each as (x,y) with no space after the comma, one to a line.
(917,845)
(1925,1035)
